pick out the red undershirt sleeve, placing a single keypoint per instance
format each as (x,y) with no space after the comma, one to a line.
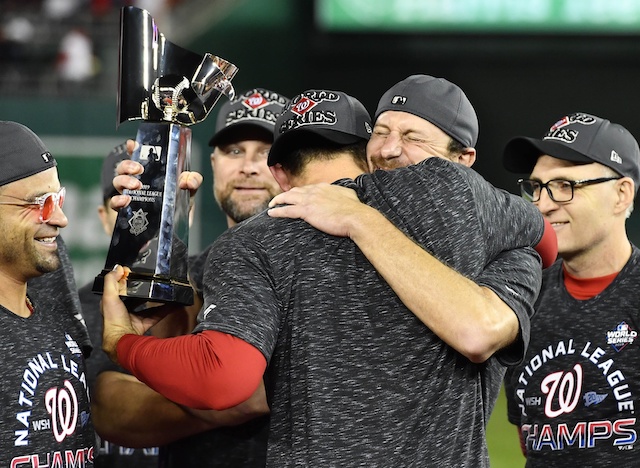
(208,370)
(548,245)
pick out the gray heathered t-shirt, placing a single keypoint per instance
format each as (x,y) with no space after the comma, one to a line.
(45,414)
(356,379)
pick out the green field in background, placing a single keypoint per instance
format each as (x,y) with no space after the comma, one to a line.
(502,438)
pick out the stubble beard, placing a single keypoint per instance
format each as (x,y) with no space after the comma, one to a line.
(38,263)
(48,263)
(385,164)
(239,207)
(239,213)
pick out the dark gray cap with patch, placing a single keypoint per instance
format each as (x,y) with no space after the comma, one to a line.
(255,109)
(436,100)
(22,153)
(581,138)
(332,115)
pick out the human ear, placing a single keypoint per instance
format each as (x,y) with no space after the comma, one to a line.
(281,176)
(625,192)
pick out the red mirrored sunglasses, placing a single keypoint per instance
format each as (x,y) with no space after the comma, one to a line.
(46,202)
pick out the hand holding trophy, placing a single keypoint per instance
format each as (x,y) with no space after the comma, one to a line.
(169,88)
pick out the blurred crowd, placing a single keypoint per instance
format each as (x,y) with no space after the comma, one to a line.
(57,45)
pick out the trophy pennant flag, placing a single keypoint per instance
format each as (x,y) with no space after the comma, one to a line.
(168,88)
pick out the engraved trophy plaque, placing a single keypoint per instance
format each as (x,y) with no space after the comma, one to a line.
(169,88)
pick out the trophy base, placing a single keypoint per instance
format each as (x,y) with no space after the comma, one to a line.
(147,288)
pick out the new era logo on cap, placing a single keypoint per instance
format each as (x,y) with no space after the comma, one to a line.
(615,157)
(22,153)
(398,100)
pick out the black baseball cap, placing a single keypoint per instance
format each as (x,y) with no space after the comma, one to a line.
(255,109)
(108,172)
(581,138)
(22,153)
(332,115)
(436,100)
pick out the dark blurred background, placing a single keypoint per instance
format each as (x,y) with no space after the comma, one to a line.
(522,64)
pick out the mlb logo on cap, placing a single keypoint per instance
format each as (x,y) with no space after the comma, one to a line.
(435,100)
(22,153)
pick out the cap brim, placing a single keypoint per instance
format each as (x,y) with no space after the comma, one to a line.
(238,130)
(298,139)
(521,153)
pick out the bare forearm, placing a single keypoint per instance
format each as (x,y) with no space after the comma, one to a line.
(471,319)
(127,412)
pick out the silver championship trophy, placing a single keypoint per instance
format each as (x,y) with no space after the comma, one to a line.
(169,88)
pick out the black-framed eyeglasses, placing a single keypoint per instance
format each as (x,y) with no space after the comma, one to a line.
(47,203)
(559,190)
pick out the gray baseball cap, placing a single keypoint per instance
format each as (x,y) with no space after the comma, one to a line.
(581,138)
(256,108)
(436,100)
(332,115)
(22,153)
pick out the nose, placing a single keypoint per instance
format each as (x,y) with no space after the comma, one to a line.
(59,218)
(391,147)
(546,203)
(251,163)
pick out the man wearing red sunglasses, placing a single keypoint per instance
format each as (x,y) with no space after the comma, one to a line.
(46,203)
(43,390)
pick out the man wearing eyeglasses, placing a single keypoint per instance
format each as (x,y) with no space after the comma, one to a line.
(575,396)
(45,416)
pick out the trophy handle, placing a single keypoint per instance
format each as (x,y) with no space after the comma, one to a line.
(150,66)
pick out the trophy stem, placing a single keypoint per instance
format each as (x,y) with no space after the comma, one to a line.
(151,235)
